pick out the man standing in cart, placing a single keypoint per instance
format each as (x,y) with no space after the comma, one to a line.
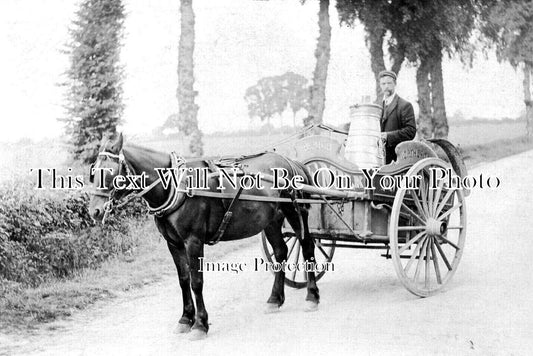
(397,118)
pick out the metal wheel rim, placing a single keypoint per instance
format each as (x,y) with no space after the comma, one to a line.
(431,244)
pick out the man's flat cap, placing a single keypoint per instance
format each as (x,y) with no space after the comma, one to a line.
(387,73)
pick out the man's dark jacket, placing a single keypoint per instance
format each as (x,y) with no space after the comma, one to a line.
(398,120)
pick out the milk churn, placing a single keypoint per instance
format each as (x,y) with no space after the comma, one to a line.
(364,146)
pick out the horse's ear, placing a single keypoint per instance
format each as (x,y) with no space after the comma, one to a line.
(117,145)
(104,144)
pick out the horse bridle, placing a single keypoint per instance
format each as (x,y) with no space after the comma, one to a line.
(110,195)
(111,203)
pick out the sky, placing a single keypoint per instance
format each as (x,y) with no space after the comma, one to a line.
(237,43)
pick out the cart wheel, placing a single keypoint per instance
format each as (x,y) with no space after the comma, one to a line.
(427,247)
(298,279)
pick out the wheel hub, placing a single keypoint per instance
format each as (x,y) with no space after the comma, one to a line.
(435,227)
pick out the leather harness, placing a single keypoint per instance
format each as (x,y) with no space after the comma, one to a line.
(178,195)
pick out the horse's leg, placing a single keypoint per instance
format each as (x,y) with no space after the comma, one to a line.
(275,238)
(308,250)
(195,250)
(179,255)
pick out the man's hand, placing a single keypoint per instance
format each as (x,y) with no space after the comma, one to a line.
(384,136)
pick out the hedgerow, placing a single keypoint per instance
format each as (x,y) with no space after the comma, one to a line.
(50,234)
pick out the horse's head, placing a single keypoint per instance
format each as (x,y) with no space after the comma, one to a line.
(109,164)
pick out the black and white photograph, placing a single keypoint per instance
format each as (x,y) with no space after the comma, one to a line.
(266,177)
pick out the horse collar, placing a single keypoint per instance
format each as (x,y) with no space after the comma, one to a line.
(176,197)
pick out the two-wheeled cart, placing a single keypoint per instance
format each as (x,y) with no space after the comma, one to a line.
(410,210)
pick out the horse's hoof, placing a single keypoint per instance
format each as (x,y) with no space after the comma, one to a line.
(182,329)
(310,306)
(272,308)
(197,334)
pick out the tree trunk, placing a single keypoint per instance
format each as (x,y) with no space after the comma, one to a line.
(322,54)
(398,56)
(374,39)
(425,122)
(440,122)
(188,110)
(528,70)
(196,145)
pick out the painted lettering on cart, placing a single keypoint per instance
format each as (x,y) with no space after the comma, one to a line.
(319,145)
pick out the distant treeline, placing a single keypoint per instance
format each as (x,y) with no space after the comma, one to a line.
(266,130)
(485,120)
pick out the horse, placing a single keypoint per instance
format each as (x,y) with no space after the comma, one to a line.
(194,220)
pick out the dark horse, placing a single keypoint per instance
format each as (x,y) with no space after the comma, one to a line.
(194,221)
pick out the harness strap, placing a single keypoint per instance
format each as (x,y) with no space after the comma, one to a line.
(299,213)
(228,214)
(225,220)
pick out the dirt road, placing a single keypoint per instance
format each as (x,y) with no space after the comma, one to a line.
(486,309)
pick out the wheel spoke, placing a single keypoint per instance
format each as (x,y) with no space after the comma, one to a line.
(420,260)
(454,208)
(435,261)
(449,242)
(292,248)
(424,196)
(426,279)
(321,249)
(443,255)
(430,200)
(413,213)
(417,203)
(297,260)
(413,256)
(455,227)
(444,201)
(437,196)
(410,242)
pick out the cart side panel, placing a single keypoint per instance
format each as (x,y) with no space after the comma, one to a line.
(380,220)
(353,214)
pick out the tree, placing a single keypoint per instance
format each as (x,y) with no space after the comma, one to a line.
(272,95)
(419,31)
(94,97)
(297,93)
(188,109)
(508,25)
(373,15)
(317,100)
(170,127)
(266,99)
(429,30)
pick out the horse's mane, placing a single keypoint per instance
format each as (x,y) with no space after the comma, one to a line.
(147,156)
(143,148)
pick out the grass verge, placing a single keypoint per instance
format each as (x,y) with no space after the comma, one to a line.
(492,151)
(27,309)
